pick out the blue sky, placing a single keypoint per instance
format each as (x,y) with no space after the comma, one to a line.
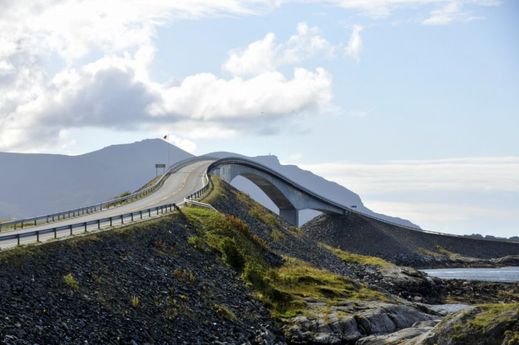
(410,103)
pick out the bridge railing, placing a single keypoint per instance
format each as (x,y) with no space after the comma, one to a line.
(27,237)
(57,216)
(253,164)
(200,193)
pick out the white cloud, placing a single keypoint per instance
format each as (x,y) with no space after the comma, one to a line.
(36,105)
(354,46)
(267,55)
(72,28)
(385,8)
(103,52)
(451,12)
(454,10)
(116,92)
(270,94)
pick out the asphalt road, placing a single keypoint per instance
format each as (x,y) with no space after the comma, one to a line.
(176,187)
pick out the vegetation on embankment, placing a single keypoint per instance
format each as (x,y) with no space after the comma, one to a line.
(143,283)
(484,324)
(358,258)
(281,283)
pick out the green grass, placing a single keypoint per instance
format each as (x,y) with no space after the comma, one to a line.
(215,192)
(495,313)
(428,252)
(349,257)
(277,235)
(225,311)
(184,275)
(135,302)
(449,254)
(490,320)
(283,289)
(71,281)
(300,281)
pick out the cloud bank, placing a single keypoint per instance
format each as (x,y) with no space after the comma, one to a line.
(85,64)
(117,92)
(471,195)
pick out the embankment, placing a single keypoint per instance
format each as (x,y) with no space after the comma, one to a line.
(407,247)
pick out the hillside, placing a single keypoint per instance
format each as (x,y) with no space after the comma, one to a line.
(236,275)
(34,184)
(403,246)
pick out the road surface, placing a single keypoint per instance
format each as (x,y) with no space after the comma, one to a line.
(175,188)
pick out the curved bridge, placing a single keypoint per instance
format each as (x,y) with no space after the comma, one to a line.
(288,196)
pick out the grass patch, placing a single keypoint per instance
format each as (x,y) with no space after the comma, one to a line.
(71,281)
(264,215)
(184,275)
(428,252)
(135,302)
(217,190)
(231,255)
(449,254)
(349,257)
(495,313)
(277,235)
(500,322)
(196,242)
(284,286)
(225,311)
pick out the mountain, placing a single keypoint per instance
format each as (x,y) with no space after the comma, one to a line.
(328,189)
(34,184)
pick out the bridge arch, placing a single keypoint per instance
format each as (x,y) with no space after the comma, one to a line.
(288,196)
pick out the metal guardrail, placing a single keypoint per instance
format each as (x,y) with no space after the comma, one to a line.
(139,194)
(38,236)
(200,204)
(206,188)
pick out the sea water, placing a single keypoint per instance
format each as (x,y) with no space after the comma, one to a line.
(502,274)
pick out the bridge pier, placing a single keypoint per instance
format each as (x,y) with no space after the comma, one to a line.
(291,215)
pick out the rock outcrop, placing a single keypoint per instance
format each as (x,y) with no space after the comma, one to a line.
(347,323)
(485,325)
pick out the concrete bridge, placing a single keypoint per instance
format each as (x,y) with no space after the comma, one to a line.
(288,196)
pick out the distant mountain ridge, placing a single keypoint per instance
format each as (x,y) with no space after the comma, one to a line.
(35,184)
(63,182)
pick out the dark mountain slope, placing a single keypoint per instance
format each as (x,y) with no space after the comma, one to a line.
(403,246)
